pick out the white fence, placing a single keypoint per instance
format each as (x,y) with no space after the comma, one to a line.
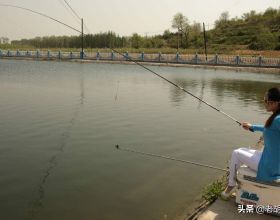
(215,60)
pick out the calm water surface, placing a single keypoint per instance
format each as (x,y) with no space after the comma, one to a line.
(60,121)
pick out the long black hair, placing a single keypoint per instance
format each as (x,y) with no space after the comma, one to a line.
(273,94)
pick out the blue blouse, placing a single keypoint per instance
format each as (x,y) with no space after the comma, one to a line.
(269,165)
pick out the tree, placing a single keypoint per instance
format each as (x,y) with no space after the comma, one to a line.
(167,35)
(224,16)
(181,23)
(223,19)
(195,35)
(270,12)
(136,41)
(247,16)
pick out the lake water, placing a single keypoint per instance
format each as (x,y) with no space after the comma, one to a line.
(60,122)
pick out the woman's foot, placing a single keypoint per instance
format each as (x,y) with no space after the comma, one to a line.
(227,192)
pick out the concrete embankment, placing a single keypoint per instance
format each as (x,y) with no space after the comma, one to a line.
(228,210)
(270,70)
(215,67)
(218,67)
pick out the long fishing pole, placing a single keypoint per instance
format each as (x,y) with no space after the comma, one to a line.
(169,158)
(179,87)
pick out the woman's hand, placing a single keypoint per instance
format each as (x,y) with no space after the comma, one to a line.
(246,125)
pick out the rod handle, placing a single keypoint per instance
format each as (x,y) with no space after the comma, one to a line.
(250,129)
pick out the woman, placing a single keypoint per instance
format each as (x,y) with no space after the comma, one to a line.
(267,162)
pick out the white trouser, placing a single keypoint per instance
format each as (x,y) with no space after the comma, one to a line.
(240,156)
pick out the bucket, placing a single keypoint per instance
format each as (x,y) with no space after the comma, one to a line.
(257,194)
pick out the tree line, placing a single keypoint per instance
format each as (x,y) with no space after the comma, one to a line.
(257,31)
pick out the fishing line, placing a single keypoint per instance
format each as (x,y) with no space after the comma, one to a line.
(37,203)
(44,15)
(169,158)
(75,14)
(70,12)
(40,193)
(116,95)
(179,87)
(73,11)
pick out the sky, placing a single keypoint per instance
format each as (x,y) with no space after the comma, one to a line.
(124,17)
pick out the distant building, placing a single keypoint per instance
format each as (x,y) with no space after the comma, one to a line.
(4,40)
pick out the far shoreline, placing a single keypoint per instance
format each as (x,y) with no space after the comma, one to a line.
(269,70)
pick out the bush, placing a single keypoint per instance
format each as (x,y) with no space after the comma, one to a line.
(264,41)
(213,191)
(277,47)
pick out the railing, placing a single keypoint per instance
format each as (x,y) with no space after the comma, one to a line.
(196,59)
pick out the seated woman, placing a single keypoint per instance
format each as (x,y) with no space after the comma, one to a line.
(266,162)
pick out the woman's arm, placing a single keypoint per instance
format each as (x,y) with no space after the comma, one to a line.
(248,126)
(257,128)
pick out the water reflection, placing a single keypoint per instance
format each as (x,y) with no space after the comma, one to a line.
(201,92)
(246,91)
(177,95)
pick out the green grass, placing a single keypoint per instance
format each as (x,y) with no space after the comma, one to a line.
(213,191)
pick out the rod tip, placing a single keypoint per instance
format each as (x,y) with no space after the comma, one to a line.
(117,146)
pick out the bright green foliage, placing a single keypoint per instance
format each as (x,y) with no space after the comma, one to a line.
(214,190)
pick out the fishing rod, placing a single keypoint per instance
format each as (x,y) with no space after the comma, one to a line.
(139,64)
(169,158)
(179,87)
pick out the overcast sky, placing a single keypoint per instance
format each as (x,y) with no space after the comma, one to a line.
(146,17)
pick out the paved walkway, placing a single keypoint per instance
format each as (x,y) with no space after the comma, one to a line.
(221,210)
